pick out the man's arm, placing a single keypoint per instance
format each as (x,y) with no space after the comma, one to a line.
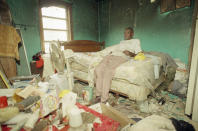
(128,53)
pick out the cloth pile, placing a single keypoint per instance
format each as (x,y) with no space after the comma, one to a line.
(179,85)
(159,123)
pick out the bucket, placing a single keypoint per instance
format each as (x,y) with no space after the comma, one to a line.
(75,118)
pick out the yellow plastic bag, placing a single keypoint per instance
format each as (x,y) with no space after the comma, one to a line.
(140,56)
(63,93)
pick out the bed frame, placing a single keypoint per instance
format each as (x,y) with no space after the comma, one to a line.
(84,45)
(87,46)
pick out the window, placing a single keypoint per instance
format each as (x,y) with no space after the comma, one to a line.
(55,23)
(171,5)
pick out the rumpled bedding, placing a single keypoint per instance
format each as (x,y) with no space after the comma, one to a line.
(136,73)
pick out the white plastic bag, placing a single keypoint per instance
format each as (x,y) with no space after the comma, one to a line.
(61,82)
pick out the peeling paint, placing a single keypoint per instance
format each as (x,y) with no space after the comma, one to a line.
(168,32)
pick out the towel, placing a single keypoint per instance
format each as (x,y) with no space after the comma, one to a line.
(9,40)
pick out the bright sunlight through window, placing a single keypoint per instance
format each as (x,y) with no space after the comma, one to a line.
(55,25)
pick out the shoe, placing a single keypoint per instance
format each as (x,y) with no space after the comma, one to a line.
(97,100)
(104,102)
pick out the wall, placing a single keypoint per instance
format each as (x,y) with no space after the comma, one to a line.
(26,12)
(84,17)
(168,32)
(115,16)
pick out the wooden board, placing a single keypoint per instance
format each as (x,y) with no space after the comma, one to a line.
(192,99)
(195,12)
(8,66)
(116,115)
(5,83)
(47,3)
(2,84)
(195,105)
(193,75)
(84,45)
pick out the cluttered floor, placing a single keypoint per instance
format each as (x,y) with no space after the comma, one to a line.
(35,106)
(61,102)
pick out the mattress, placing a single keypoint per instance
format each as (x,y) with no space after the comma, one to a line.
(134,92)
(136,72)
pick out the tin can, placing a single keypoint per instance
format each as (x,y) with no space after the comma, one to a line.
(87,93)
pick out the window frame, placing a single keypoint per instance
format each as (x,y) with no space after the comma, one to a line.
(68,8)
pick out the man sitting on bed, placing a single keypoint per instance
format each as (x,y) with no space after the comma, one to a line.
(106,69)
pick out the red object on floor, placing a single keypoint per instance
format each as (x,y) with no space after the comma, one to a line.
(40,62)
(3,102)
(107,124)
(66,128)
(6,128)
(52,128)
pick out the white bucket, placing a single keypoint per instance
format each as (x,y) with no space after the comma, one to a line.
(75,118)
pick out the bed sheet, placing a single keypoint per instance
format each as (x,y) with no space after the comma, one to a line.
(134,92)
(136,72)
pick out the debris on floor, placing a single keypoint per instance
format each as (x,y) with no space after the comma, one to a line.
(179,86)
(51,106)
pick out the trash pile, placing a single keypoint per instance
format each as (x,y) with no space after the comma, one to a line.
(179,85)
(160,112)
(58,103)
(164,103)
(49,105)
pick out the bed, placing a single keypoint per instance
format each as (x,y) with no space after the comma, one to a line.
(134,79)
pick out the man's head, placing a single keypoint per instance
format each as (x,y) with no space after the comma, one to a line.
(128,33)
